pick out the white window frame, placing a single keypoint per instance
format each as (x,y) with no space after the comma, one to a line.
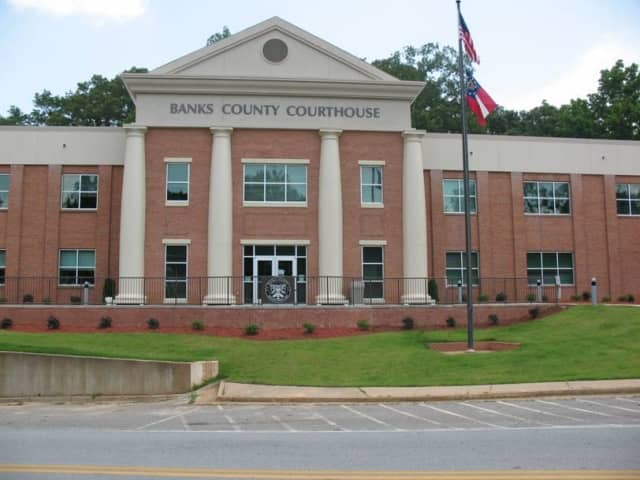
(556,270)
(627,200)
(173,161)
(271,162)
(6,205)
(372,164)
(77,267)
(460,196)
(463,268)
(3,265)
(553,197)
(362,265)
(79,192)
(176,243)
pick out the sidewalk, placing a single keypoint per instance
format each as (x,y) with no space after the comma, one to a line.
(239,392)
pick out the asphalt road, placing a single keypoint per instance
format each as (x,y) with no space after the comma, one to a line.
(396,440)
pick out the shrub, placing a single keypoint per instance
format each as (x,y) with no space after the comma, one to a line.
(534,312)
(586,296)
(109,288)
(6,323)
(105,322)
(407,323)
(75,300)
(27,298)
(606,299)
(451,322)
(3,299)
(545,298)
(251,329)
(432,288)
(493,319)
(501,297)
(47,300)
(622,298)
(576,298)
(483,297)
(197,325)
(362,325)
(309,328)
(153,324)
(531,297)
(53,323)
(631,298)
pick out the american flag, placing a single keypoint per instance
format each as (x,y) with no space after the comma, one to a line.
(465,36)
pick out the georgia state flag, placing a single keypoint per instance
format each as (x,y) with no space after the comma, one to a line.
(479,101)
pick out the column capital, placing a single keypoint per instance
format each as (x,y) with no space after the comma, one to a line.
(133,130)
(221,131)
(330,132)
(413,135)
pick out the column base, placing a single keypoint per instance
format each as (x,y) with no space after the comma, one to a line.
(331,299)
(417,298)
(219,299)
(130,299)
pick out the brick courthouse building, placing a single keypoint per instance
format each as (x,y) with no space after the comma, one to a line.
(273,167)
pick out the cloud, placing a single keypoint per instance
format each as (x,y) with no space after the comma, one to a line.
(580,79)
(117,10)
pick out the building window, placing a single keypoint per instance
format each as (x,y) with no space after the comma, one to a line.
(454,195)
(373,272)
(3,265)
(456,268)
(627,198)
(175,272)
(275,183)
(547,198)
(77,267)
(4,191)
(545,266)
(178,175)
(371,185)
(79,192)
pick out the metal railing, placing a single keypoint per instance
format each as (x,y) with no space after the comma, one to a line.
(269,290)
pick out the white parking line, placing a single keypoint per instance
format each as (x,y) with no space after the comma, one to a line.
(635,401)
(330,422)
(634,410)
(495,412)
(535,410)
(442,410)
(168,418)
(283,424)
(401,412)
(575,408)
(368,417)
(231,421)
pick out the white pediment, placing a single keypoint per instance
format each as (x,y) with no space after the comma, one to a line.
(242,55)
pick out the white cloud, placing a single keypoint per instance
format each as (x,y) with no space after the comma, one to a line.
(118,10)
(579,79)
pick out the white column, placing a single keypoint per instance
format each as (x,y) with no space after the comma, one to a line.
(220,240)
(330,220)
(414,221)
(132,219)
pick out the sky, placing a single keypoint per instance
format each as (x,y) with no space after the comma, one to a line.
(529,51)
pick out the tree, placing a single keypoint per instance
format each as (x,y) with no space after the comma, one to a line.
(218,36)
(15,117)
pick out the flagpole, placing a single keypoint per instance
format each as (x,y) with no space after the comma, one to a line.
(467,197)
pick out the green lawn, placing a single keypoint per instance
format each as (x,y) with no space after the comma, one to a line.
(577,344)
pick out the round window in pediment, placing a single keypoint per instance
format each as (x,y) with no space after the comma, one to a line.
(275,50)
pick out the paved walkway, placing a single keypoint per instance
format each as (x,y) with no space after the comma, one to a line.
(239,392)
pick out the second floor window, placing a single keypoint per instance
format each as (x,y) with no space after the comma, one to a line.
(628,198)
(79,192)
(547,198)
(371,184)
(178,182)
(453,195)
(4,190)
(277,183)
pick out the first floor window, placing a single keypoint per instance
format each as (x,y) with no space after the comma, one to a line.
(77,267)
(3,265)
(373,272)
(178,182)
(453,195)
(175,271)
(547,198)
(272,182)
(456,268)
(4,190)
(545,266)
(79,192)
(371,184)
(628,198)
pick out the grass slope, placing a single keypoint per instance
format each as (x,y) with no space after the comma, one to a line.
(581,343)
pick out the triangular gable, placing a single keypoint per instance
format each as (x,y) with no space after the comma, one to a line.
(241,55)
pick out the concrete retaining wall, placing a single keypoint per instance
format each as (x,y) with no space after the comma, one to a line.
(30,375)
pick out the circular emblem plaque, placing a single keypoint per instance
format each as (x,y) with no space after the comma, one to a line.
(277,290)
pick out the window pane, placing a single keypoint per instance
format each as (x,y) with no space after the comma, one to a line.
(566,277)
(530,189)
(264,250)
(367,175)
(453,277)
(248,250)
(302,251)
(4,199)
(452,187)
(373,290)
(296,193)
(178,172)
(546,206)
(533,276)
(533,260)
(562,206)
(88,200)
(3,259)
(176,290)
(4,182)
(561,190)
(68,258)
(474,277)
(254,173)
(565,260)
(248,267)
(176,270)
(372,254)
(474,260)
(176,253)
(634,191)
(274,173)
(296,174)
(86,258)
(254,193)
(452,205)
(70,183)
(69,200)
(549,260)
(473,204)
(285,250)
(89,183)
(302,267)
(372,272)
(275,193)
(549,278)
(177,191)
(622,190)
(371,194)
(67,277)
(545,189)
(530,205)
(635,207)
(86,275)
(454,260)
(622,207)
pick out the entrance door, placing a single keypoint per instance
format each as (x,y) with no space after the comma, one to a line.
(274,280)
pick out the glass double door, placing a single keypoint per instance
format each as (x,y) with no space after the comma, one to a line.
(274,280)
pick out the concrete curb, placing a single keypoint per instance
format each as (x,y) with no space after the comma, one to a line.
(236,392)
